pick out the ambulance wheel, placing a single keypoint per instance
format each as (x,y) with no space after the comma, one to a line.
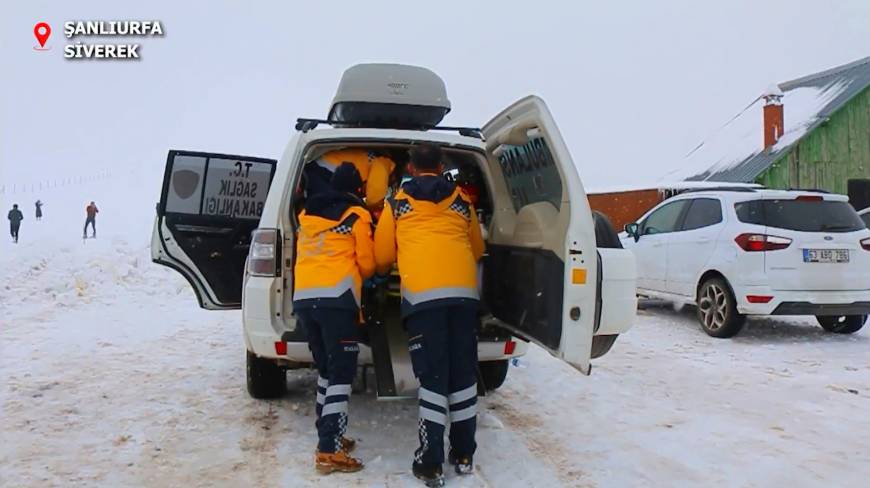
(602,344)
(605,235)
(844,324)
(493,373)
(265,378)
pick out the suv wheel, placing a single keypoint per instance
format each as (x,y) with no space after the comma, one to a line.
(843,324)
(265,378)
(493,373)
(717,309)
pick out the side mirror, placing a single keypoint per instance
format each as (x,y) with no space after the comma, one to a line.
(632,230)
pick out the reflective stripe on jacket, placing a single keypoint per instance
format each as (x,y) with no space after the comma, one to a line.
(333,257)
(436,240)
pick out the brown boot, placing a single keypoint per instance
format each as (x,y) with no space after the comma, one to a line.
(347,444)
(329,462)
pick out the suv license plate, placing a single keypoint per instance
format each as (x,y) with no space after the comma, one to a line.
(826,255)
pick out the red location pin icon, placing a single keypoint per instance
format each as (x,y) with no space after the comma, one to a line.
(41,31)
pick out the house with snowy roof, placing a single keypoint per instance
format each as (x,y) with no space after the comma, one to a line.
(812,132)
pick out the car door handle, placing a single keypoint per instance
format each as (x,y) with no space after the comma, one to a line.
(703,240)
(657,244)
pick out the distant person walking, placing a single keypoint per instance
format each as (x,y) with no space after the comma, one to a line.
(15,217)
(91,219)
(39,209)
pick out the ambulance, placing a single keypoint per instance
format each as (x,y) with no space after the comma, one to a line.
(553,274)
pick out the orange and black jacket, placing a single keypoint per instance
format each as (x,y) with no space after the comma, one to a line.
(334,252)
(431,228)
(374,170)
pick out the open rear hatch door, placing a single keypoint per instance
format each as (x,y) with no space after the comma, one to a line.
(209,205)
(541,270)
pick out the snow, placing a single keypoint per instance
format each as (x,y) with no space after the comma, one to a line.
(772,90)
(112,376)
(667,185)
(742,137)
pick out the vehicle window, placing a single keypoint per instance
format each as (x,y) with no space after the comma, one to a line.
(218,187)
(866,219)
(800,215)
(664,219)
(531,174)
(703,212)
(185,185)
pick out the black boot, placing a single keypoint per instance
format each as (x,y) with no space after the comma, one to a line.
(461,464)
(430,474)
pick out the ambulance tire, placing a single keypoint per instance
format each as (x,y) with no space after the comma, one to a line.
(493,373)
(607,238)
(605,235)
(601,345)
(265,378)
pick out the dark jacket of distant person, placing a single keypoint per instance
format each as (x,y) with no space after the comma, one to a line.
(15,216)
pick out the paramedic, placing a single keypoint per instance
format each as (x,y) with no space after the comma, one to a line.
(334,256)
(374,171)
(430,225)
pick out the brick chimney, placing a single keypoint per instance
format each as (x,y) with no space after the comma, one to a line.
(774,123)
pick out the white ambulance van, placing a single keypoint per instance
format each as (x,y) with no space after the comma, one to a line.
(228,224)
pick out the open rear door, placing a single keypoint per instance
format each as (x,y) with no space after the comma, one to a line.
(540,273)
(209,205)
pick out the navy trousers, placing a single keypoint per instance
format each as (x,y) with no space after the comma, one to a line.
(443,346)
(334,342)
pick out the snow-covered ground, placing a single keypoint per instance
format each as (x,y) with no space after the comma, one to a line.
(111,376)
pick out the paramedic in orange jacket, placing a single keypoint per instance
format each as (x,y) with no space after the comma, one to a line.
(431,227)
(374,170)
(333,256)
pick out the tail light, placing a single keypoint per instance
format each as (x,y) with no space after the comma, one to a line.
(758,298)
(810,198)
(865,243)
(761,242)
(263,255)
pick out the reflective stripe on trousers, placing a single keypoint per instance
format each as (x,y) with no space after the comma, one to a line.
(443,348)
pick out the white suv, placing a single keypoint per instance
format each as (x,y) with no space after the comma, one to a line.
(228,224)
(743,251)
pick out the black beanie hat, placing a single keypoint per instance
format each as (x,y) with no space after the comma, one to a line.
(346,179)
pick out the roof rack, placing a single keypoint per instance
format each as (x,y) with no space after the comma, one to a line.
(742,189)
(305,125)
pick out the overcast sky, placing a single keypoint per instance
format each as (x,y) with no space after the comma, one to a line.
(633,85)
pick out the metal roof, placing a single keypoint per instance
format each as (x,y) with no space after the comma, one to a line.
(855,75)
